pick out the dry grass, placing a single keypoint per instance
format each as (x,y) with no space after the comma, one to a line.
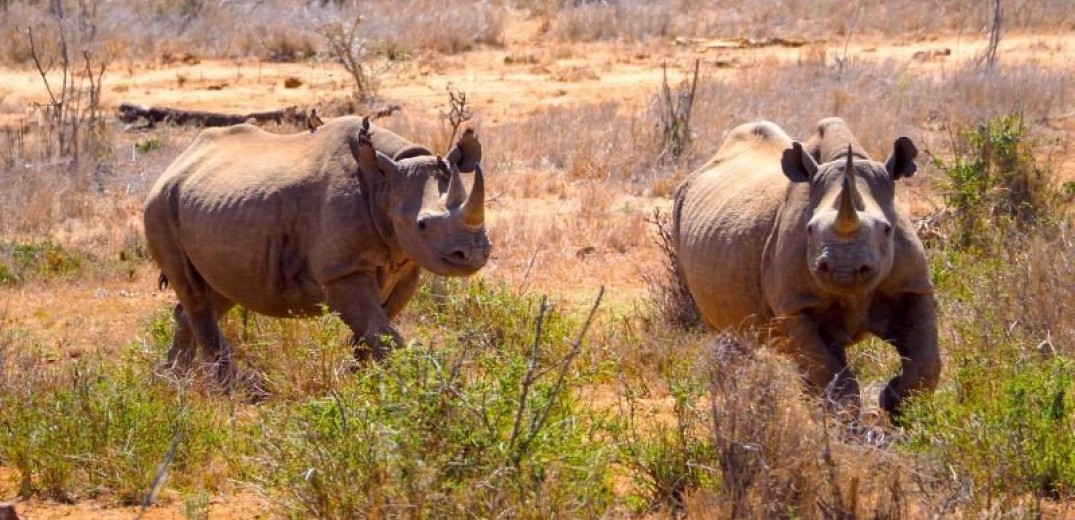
(634,20)
(274,30)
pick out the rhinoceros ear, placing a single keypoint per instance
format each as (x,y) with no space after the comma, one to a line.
(467,152)
(901,163)
(798,164)
(369,159)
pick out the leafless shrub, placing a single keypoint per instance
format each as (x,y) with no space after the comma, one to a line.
(738,438)
(458,112)
(675,115)
(351,50)
(74,122)
(989,57)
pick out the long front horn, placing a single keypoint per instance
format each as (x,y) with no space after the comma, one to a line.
(474,208)
(847,218)
(456,192)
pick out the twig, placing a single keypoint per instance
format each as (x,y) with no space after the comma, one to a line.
(162,470)
(458,111)
(529,268)
(539,421)
(531,371)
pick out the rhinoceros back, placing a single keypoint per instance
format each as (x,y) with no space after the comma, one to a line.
(723,216)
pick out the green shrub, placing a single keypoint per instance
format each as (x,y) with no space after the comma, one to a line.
(997,184)
(484,424)
(1006,427)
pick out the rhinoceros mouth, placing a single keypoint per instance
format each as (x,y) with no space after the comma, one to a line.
(458,264)
(459,260)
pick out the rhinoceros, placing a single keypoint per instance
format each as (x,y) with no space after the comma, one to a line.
(346,216)
(806,245)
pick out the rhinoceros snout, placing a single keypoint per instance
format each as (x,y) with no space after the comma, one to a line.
(844,274)
(475,256)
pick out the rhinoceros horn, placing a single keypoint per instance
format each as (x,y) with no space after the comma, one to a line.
(473,210)
(456,192)
(847,218)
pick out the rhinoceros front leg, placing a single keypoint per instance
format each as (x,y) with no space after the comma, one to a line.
(402,293)
(822,361)
(913,331)
(357,299)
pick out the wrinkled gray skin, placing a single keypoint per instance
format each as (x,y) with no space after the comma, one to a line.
(777,238)
(347,215)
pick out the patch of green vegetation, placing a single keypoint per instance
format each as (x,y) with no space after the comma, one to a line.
(46,260)
(1001,426)
(96,428)
(149,144)
(484,424)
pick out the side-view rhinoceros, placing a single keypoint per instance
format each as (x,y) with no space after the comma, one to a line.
(346,216)
(807,244)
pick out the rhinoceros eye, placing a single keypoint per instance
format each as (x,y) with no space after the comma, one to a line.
(888,229)
(422,225)
(809,229)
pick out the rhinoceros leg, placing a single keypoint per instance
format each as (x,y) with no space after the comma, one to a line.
(357,299)
(402,293)
(913,331)
(822,361)
(184,342)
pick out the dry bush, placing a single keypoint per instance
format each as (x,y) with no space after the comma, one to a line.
(720,428)
(668,294)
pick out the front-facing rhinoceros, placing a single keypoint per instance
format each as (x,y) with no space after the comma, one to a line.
(345,216)
(806,243)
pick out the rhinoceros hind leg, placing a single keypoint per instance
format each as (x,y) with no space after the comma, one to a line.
(181,354)
(197,324)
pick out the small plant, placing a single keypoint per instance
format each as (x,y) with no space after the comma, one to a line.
(89,429)
(149,144)
(458,111)
(1018,410)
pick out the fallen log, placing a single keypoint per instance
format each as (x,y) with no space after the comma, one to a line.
(131,113)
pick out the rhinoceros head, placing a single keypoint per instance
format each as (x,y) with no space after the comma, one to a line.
(436,222)
(851,215)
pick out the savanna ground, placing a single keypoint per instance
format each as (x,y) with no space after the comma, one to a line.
(497,408)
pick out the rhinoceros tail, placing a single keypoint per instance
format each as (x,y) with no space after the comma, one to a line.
(162,281)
